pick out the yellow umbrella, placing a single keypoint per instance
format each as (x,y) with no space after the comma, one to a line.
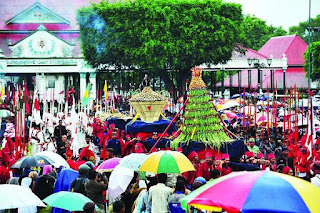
(167,162)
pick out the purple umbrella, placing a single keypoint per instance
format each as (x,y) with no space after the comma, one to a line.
(108,165)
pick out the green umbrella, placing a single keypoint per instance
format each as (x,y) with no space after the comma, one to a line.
(70,201)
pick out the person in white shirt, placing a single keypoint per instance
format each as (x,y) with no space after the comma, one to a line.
(315,167)
(159,195)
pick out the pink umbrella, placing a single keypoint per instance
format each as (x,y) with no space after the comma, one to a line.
(108,165)
(231,115)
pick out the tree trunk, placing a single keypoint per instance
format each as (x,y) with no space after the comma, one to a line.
(168,82)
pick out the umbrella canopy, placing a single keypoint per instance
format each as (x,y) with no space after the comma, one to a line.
(31,161)
(56,158)
(119,181)
(167,162)
(15,196)
(133,161)
(5,113)
(108,165)
(71,201)
(259,191)
(229,104)
(231,115)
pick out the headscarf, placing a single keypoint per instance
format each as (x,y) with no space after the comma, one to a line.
(47,169)
(26,182)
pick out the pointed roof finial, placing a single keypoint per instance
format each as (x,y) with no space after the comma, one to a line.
(41,28)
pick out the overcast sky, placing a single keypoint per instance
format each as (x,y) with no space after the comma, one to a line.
(283,13)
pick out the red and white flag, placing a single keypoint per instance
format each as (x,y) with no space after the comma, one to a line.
(311,136)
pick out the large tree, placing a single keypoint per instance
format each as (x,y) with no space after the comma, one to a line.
(257,32)
(302,29)
(314,60)
(160,35)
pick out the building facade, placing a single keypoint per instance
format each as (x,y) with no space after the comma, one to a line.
(40,46)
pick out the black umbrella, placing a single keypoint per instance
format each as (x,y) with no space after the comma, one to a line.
(31,161)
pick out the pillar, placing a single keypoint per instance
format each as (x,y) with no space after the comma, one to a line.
(93,81)
(259,81)
(230,81)
(284,80)
(222,82)
(83,84)
(249,78)
(272,79)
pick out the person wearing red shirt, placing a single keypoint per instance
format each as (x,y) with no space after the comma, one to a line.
(303,165)
(4,172)
(226,169)
(192,175)
(112,128)
(206,167)
(128,145)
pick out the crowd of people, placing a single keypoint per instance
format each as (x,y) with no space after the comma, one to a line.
(262,150)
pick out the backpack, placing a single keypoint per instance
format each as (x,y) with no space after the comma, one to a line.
(78,185)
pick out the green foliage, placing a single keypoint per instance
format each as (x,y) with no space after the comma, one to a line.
(301,29)
(201,115)
(257,32)
(314,59)
(160,34)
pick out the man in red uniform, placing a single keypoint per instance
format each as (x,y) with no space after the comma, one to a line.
(303,165)
(4,172)
(191,175)
(206,167)
(226,169)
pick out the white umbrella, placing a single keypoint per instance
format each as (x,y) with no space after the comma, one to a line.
(305,122)
(133,161)
(229,104)
(56,158)
(15,196)
(5,113)
(119,181)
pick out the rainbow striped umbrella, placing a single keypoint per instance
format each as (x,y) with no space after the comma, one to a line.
(259,191)
(166,162)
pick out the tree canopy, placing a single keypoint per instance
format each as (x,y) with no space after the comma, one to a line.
(314,59)
(302,29)
(257,32)
(160,35)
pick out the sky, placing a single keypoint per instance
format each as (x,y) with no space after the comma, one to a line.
(278,13)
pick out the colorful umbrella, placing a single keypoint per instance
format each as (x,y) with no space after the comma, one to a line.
(108,165)
(70,201)
(167,162)
(56,158)
(133,161)
(15,196)
(120,179)
(231,115)
(31,161)
(229,104)
(5,113)
(259,191)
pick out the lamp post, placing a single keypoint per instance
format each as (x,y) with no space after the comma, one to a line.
(255,62)
(249,72)
(269,62)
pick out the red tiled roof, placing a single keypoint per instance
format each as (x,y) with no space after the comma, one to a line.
(293,46)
